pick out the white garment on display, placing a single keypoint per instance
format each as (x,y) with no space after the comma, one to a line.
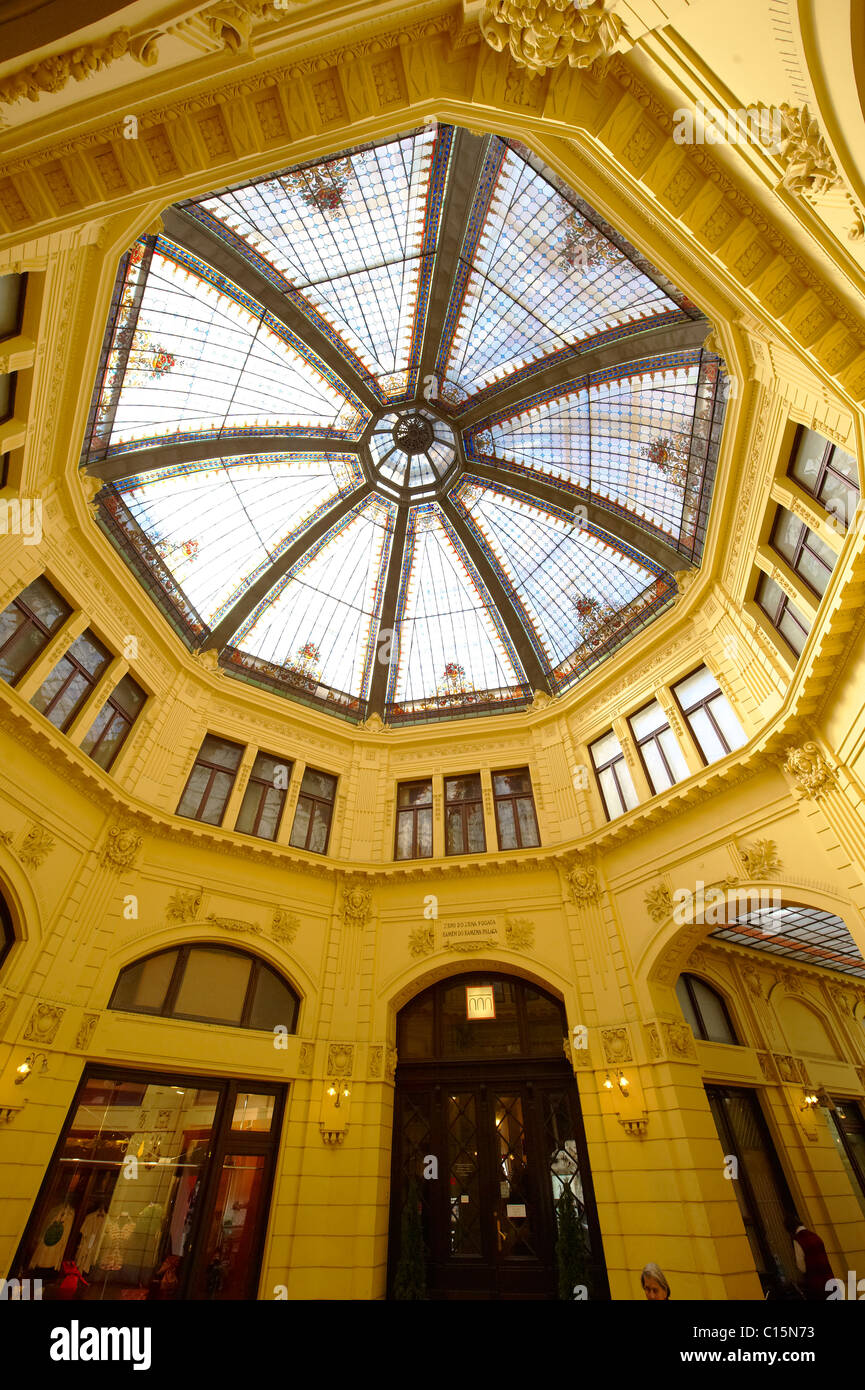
(90,1240)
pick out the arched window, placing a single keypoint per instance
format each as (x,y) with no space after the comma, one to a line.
(208,984)
(704,1010)
(7,933)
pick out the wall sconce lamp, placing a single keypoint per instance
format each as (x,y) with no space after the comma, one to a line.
(622,1081)
(338,1091)
(26,1067)
(810,1101)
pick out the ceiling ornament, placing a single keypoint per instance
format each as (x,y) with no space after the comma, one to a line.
(811,770)
(809,167)
(761,859)
(543,34)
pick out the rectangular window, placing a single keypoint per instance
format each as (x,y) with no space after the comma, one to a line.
(662,757)
(210,781)
(464,815)
(264,798)
(413,820)
(812,559)
(614,779)
(12,290)
(516,821)
(74,678)
(311,829)
(782,613)
(710,715)
(108,732)
(826,472)
(27,626)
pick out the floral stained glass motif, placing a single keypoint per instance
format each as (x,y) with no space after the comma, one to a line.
(542,280)
(351,240)
(205,360)
(449,634)
(220,523)
(623,436)
(328,604)
(574,587)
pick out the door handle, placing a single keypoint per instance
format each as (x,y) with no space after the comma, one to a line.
(499,1232)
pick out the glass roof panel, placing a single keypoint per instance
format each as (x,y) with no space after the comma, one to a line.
(623,436)
(218,524)
(806,934)
(205,358)
(543,278)
(450,641)
(352,241)
(321,617)
(572,585)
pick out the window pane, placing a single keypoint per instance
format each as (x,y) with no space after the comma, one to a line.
(51,610)
(217,798)
(320,827)
(794,631)
(424,833)
(301,823)
(253,1113)
(191,799)
(528,824)
(626,784)
(145,984)
(454,830)
(787,534)
(812,448)
(845,463)
(612,800)
(695,687)
(100,723)
(221,752)
(722,712)
(318,784)
(605,749)
(840,498)
(404,835)
(273,1003)
(713,1013)
(658,775)
(511,783)
(687,1007)
(213,985)
(10,303)
(414,794)
(674,754)
(463,788)
(129,696)
(252,799)
(769,596)
(647,720)
(816,563)
(507,825)
(475,818)
(90,654)
(52,683)
(415,1025)
(112,742)
(70,701)
(704,732)
(270,814)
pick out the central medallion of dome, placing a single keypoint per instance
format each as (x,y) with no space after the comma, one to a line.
(413,451)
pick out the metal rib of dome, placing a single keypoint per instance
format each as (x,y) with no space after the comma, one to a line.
(410,430)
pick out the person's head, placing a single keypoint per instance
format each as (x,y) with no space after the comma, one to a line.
(654,1283)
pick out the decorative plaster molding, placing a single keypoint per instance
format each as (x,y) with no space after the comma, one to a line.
(43,1023)
(305,1058)
(85,1031)
(813,774)
(809,168)
(543,34)
(653,1042)
(764,1060)
(583,881)
(761,859)
(375,1061)
(340,1059)
(519,933)
(184,905)
(659,903)
(356,906)
(284,926)
(616,1043)
(235,924)
(390,1063)
(36,846)
(121,848)
(679,1041)
(635,1127)
(421,940)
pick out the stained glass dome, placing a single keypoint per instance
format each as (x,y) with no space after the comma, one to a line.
(409,431)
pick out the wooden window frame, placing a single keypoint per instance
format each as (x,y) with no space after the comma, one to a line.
(412,810)
(611,766)
(214,769)
(705,704)
(514,797)
(34,621)
(653,737)
(78,669)
(121,714)
(785,603)
(314,801)
(686,977)
(825,467)
(167,1009)
(463,807)
(801,544)
(265,787)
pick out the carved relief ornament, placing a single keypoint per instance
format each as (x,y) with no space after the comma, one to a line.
(543,34)
(813,774)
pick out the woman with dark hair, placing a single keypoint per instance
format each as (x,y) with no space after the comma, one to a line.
(654,1283)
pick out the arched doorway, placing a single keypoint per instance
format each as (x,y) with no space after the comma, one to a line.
(488,1124)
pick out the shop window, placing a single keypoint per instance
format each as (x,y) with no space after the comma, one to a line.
(192,1223)
(314,813)
(709,714)
(705,1011)
(660,753)
(516,822)
(74,678)
(210,984)
(27,626)
(826,472)
(264,798)
(812,559)
(613,777)
(206,793)
(413,820)
(109,730)
(782,613)
(464,815)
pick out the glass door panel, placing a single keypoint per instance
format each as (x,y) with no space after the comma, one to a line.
(227,1265)
(465,1234)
